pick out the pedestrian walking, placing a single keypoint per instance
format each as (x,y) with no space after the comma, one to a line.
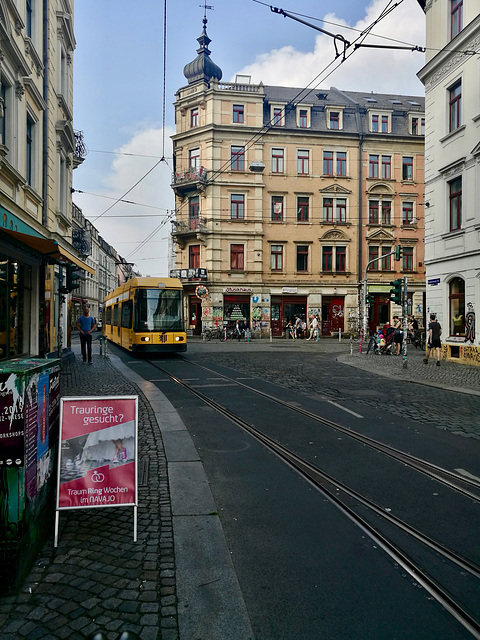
(398,336)
(85,325)
(434,341)
(313,327)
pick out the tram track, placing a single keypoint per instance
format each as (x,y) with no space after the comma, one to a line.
(340,495)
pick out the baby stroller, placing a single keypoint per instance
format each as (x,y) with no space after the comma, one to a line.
(387,345)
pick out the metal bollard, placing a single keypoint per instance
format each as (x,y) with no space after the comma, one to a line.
(339,335)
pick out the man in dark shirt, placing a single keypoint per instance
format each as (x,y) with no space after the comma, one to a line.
(434,333)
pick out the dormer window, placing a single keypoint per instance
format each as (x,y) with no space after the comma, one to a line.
(238,114)
(418,126)
(334,118)
(277,115)
(303,117)
(380,122)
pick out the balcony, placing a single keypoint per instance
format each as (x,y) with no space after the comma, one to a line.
(189,180)
(194,228)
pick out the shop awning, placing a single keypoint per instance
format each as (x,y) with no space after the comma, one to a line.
(49,248)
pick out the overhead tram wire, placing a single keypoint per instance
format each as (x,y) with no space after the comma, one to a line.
(305,92)
(162,159)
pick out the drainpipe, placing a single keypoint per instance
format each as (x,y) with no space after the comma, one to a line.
(45,115)
(361,137)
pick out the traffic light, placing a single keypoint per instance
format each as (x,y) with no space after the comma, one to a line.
(396,291)
(398,252)
(369,298)
(72,278)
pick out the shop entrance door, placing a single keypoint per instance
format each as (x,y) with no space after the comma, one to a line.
(379,312)
(195,315)
(333,315)
(277,318)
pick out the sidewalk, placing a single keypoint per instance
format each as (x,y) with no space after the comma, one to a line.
(177,581)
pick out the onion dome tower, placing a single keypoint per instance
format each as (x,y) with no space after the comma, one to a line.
(202,68)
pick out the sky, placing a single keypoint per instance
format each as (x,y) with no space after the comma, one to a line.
(119,85)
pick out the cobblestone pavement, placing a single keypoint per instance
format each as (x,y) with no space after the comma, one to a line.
(98,578)
(447,396)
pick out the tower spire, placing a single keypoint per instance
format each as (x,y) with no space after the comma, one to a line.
(203,68)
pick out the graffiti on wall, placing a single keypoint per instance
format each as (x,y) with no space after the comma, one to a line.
(470,324)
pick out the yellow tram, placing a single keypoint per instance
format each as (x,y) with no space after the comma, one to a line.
(145,315)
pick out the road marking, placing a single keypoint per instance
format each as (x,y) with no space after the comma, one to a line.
(462,472)
(357,415)
(160,380)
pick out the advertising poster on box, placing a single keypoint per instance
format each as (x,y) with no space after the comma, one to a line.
(98,457)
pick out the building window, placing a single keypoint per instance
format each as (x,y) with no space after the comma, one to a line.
(277,119)
(373,166)
(29,16)
(238,113)
(194,159)
(407,258)
(407,168)
(386,211)
(237,257)
(386,167)
(237,206)
(457,307)
(340,259)
(455,196)
(327,214)
(341,163)
(194,256)
(194,211)
(276,257)
(373,207)
(327,258)
(302,257)
(303,156)
(341,209)
(456,20)
(386,263)
(375,124)
(328,163)
(455,105)
(303,118)
(334,120)
(418,126)
(373,255)
(3,118)
(238,159)
(303,206)
(277,160)
(194,117)
(29,151)
(277,208)
(407,213)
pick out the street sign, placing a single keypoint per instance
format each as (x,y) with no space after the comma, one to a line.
(434,281)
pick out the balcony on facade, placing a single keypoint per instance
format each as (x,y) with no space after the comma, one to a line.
(191,229)
(192,179)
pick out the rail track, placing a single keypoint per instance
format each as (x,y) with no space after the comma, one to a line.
(362,511)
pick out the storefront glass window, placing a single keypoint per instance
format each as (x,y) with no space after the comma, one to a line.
(15,300)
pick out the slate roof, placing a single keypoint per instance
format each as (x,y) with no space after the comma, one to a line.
(354,103)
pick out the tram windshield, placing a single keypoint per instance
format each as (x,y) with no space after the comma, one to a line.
(158,310)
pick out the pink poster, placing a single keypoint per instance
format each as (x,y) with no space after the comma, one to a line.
(98,456)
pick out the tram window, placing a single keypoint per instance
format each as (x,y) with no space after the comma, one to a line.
(127,308)
(158,310)
(115,315)
(108,315)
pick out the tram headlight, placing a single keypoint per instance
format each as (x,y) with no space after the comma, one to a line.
(146,339)
(178,338)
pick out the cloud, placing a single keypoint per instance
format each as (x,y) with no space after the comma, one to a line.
(378,70)
(127,226)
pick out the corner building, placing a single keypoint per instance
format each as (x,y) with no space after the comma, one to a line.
(452,180)
(284,195)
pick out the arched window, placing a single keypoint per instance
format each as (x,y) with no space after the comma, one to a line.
(457,307)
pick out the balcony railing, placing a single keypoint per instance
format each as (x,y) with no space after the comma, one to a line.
(189,226)
(191,178)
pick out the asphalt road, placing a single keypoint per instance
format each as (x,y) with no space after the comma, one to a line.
(305,570)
